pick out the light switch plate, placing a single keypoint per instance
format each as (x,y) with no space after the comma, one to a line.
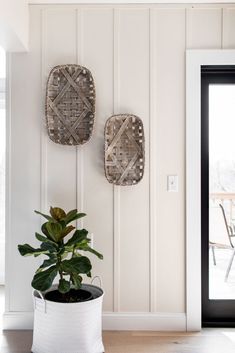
(172,183)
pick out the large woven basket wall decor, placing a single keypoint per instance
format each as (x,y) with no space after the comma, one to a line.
(70,104)
(124,149)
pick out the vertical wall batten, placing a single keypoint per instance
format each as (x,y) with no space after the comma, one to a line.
(77,164)
(8,181)
(116,189)
(222,28)
(43,135)
(43,154)
(79,148)
(185,162)
(152,174)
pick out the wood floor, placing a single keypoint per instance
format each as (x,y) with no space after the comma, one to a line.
(207,341)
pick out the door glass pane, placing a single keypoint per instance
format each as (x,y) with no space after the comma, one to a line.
(222,190)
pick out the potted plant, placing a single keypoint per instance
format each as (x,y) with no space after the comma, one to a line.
(67,315)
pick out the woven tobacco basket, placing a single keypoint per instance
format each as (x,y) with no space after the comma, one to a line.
(70,104)
(124,149)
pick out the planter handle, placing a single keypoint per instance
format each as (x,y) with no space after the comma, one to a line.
(41,296)
(99,279)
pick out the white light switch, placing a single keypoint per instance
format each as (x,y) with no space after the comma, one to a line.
(172,183)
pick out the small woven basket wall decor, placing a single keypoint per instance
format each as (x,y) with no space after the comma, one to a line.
(70,104)
(124,149)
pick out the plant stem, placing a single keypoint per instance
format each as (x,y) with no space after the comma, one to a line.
(60,271)
(73,251)
(70,277)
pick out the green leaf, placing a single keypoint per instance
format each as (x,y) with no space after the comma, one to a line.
(73,215)
(64,286)
(61,250)
(45,231)
(57,213)
(78,216)
(83,245)
(51,247)
(28,250)
(54,230)
(76,265)
(77,280)
(43,280)
(66,231)
(88,248)
(40,237)
(64,255)
(78,236)
(44,215)
(44,239)
(46,263)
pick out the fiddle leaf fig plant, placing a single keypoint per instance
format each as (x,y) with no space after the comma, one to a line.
(63,257)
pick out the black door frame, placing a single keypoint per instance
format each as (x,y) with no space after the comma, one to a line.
(215,313)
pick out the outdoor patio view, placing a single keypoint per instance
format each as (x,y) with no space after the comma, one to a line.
(222,191)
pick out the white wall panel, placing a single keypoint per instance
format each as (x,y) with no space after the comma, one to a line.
(59,162)
(228,28)
(96,53)
(204,28)
(133,97)
(23,168)
(169,88)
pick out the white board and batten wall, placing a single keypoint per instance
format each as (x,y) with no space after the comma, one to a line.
(137,56)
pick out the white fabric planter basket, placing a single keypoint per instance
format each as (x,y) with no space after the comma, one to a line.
(68,327)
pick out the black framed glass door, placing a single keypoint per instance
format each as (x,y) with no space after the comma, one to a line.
(218,195)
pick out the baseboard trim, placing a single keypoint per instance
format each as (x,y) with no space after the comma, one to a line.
(18,320)
(111,321)
(144,321)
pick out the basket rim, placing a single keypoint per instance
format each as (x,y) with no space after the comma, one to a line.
(55,286)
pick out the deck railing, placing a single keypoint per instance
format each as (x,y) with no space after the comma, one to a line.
(227,199)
